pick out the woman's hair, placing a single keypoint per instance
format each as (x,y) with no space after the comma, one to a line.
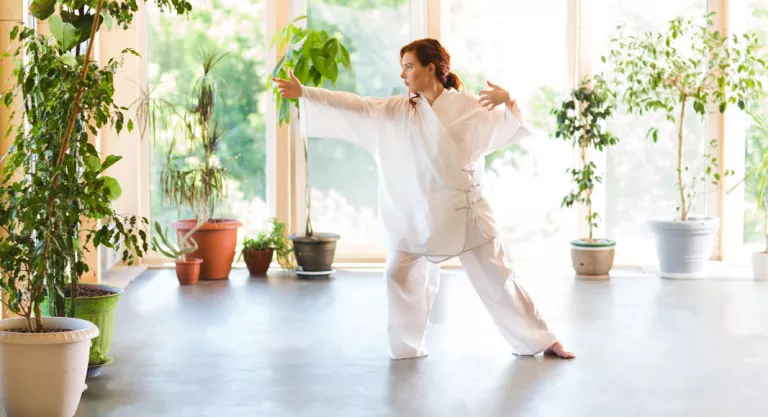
(429,51)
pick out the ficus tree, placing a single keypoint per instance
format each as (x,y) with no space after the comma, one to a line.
(690,65)
(54,198)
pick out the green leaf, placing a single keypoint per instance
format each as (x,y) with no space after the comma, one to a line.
(345,57)
(113,187)
(69,60)
(66,34)
(302,69)
(92,163)
(106,18)
(83,23)
(130,125)
(14,33)
(285,111)
(109,161)
(42,9)
(8,99)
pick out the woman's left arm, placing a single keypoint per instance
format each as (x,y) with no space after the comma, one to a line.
(504,125)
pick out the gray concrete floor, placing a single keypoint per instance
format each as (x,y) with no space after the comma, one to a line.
(286,347)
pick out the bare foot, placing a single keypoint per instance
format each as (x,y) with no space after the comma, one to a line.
(558,350)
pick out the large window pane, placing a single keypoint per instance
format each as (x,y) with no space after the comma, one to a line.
(175,45)
(757,142)
(343,178)
(641,176)
(522,46)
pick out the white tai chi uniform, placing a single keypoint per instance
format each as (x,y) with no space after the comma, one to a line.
(431,166)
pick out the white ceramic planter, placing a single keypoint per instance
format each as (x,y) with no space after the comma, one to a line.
(43,374)
(760,266)
(683,247)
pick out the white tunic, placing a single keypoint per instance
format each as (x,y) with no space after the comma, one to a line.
(430,162)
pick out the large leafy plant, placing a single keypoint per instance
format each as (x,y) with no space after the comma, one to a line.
(580,120)
(689,65)
(314,57)
(54,198)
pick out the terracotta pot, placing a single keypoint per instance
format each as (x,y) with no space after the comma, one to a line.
(593,260)
(258,261)
(188,271)
(216,243)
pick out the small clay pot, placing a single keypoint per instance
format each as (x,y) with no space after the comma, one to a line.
(258,261)
(188,271)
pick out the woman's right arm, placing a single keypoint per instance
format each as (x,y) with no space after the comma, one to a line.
(342,115)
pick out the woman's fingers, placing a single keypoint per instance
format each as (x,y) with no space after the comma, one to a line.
(484,101)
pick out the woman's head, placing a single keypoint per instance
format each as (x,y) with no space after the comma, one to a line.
(424,62)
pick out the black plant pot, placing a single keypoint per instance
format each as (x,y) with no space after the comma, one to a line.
(315,254)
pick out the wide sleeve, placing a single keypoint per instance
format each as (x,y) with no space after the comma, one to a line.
(347,116)
(503,129)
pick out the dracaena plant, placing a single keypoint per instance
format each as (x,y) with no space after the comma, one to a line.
(54,198)
(690,65)
(192,175)
(315,58)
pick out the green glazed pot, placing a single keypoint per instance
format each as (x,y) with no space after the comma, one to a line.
(99,311)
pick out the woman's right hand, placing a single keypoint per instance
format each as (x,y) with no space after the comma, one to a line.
(289,88)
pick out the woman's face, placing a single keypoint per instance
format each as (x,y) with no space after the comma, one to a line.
(416,77)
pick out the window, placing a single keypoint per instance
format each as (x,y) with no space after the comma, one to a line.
(343,177)
(487,40)
(175,44)
(756,142)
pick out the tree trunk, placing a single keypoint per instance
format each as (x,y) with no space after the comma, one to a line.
(683,205)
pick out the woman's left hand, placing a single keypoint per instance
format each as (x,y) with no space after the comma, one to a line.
(489,99)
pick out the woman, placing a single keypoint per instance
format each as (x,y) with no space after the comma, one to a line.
(429,148)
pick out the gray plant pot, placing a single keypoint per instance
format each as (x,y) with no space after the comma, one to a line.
(683,247)
(315,254)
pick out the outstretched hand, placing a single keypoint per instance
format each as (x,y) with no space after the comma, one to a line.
(493,97)
(289,88)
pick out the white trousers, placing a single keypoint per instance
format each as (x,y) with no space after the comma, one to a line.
(412,284)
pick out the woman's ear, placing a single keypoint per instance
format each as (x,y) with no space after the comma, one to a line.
(431,69)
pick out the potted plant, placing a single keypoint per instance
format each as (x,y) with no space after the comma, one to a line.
(759,175)
(258,251)
(187,268)
(95,303)
(314,57)
(193,177)
(580,121)
(690,66)
(56,200)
